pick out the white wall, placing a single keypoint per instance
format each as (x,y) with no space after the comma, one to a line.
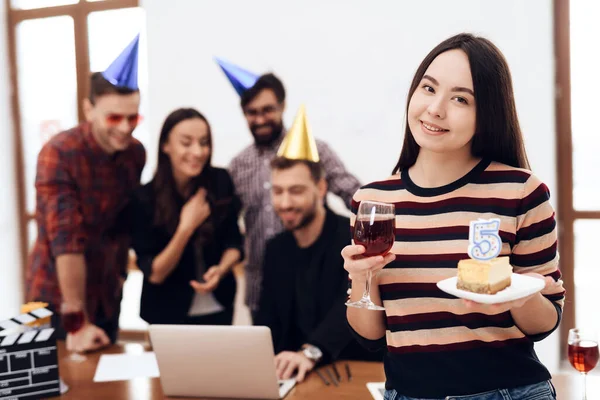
(351,62)
(10,268)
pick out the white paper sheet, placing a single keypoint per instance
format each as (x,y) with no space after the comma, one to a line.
(122,367)
(377,389)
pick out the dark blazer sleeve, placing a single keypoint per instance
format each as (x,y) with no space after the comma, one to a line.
(267,313)
(143,237)
(332,334)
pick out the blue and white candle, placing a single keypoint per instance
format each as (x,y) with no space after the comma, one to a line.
(484,241)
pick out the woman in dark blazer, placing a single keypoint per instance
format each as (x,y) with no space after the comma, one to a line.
(185,231)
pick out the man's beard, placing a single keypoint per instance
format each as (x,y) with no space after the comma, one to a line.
(267,140)
(306,218)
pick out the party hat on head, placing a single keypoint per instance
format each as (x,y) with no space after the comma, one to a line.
(299,143)
(240,79)
(123,72)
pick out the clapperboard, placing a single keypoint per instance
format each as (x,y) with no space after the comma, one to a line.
(28,358)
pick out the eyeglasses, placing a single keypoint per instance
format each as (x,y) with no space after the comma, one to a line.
(264,111)
(113,120)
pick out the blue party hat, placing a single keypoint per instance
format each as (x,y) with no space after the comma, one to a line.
(123,72)
(240,78)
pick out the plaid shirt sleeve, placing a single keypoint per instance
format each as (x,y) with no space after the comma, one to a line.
(58,205)
(340,181)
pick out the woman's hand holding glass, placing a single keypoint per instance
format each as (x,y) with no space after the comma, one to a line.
(361,268)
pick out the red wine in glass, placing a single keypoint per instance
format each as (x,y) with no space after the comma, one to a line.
(374,228)
(583,352)
(72,321)
(376,236)
(583,355)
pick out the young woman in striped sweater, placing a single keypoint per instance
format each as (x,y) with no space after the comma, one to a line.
(462,159)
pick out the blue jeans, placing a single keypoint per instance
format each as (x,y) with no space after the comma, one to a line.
(537,391)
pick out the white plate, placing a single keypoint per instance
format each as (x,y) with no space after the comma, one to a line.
(521,286)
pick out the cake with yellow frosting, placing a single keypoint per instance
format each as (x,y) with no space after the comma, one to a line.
(486,277)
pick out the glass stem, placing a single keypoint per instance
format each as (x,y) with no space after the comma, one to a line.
(367,293)
(584,386)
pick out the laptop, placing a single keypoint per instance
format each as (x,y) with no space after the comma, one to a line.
(217,361)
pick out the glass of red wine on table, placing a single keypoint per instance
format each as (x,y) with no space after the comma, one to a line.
(72,318)
(374,228)
(583,352)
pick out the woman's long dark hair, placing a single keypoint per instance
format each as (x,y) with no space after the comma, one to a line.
(168,199)
(497,132)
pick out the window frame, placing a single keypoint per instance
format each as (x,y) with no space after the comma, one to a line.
(566,213)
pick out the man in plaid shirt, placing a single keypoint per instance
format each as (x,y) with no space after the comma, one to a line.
(263,105)
(84,178)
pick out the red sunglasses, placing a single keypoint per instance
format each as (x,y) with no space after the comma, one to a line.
(116,119)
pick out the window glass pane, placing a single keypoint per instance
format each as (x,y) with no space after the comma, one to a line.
(31,4)
(587,273)
(129,318)
(31,233)
(584,104)
(47,87)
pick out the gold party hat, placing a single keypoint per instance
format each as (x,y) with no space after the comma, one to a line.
(299,143)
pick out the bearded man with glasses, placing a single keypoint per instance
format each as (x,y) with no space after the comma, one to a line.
(263,104)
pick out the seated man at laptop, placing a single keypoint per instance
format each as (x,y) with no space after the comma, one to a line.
(305,285)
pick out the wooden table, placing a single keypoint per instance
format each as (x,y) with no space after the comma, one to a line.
(79,377)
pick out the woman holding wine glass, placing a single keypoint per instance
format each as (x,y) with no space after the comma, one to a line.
(463,158)
(185,231)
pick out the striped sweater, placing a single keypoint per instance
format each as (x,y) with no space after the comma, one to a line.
(436,346)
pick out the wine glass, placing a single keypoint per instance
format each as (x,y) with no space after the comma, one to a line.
(72,318)
(374,229)
(583,352)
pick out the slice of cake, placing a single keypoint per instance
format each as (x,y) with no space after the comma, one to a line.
(488,277)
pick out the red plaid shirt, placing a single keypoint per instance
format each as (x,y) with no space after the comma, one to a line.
(81,194)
